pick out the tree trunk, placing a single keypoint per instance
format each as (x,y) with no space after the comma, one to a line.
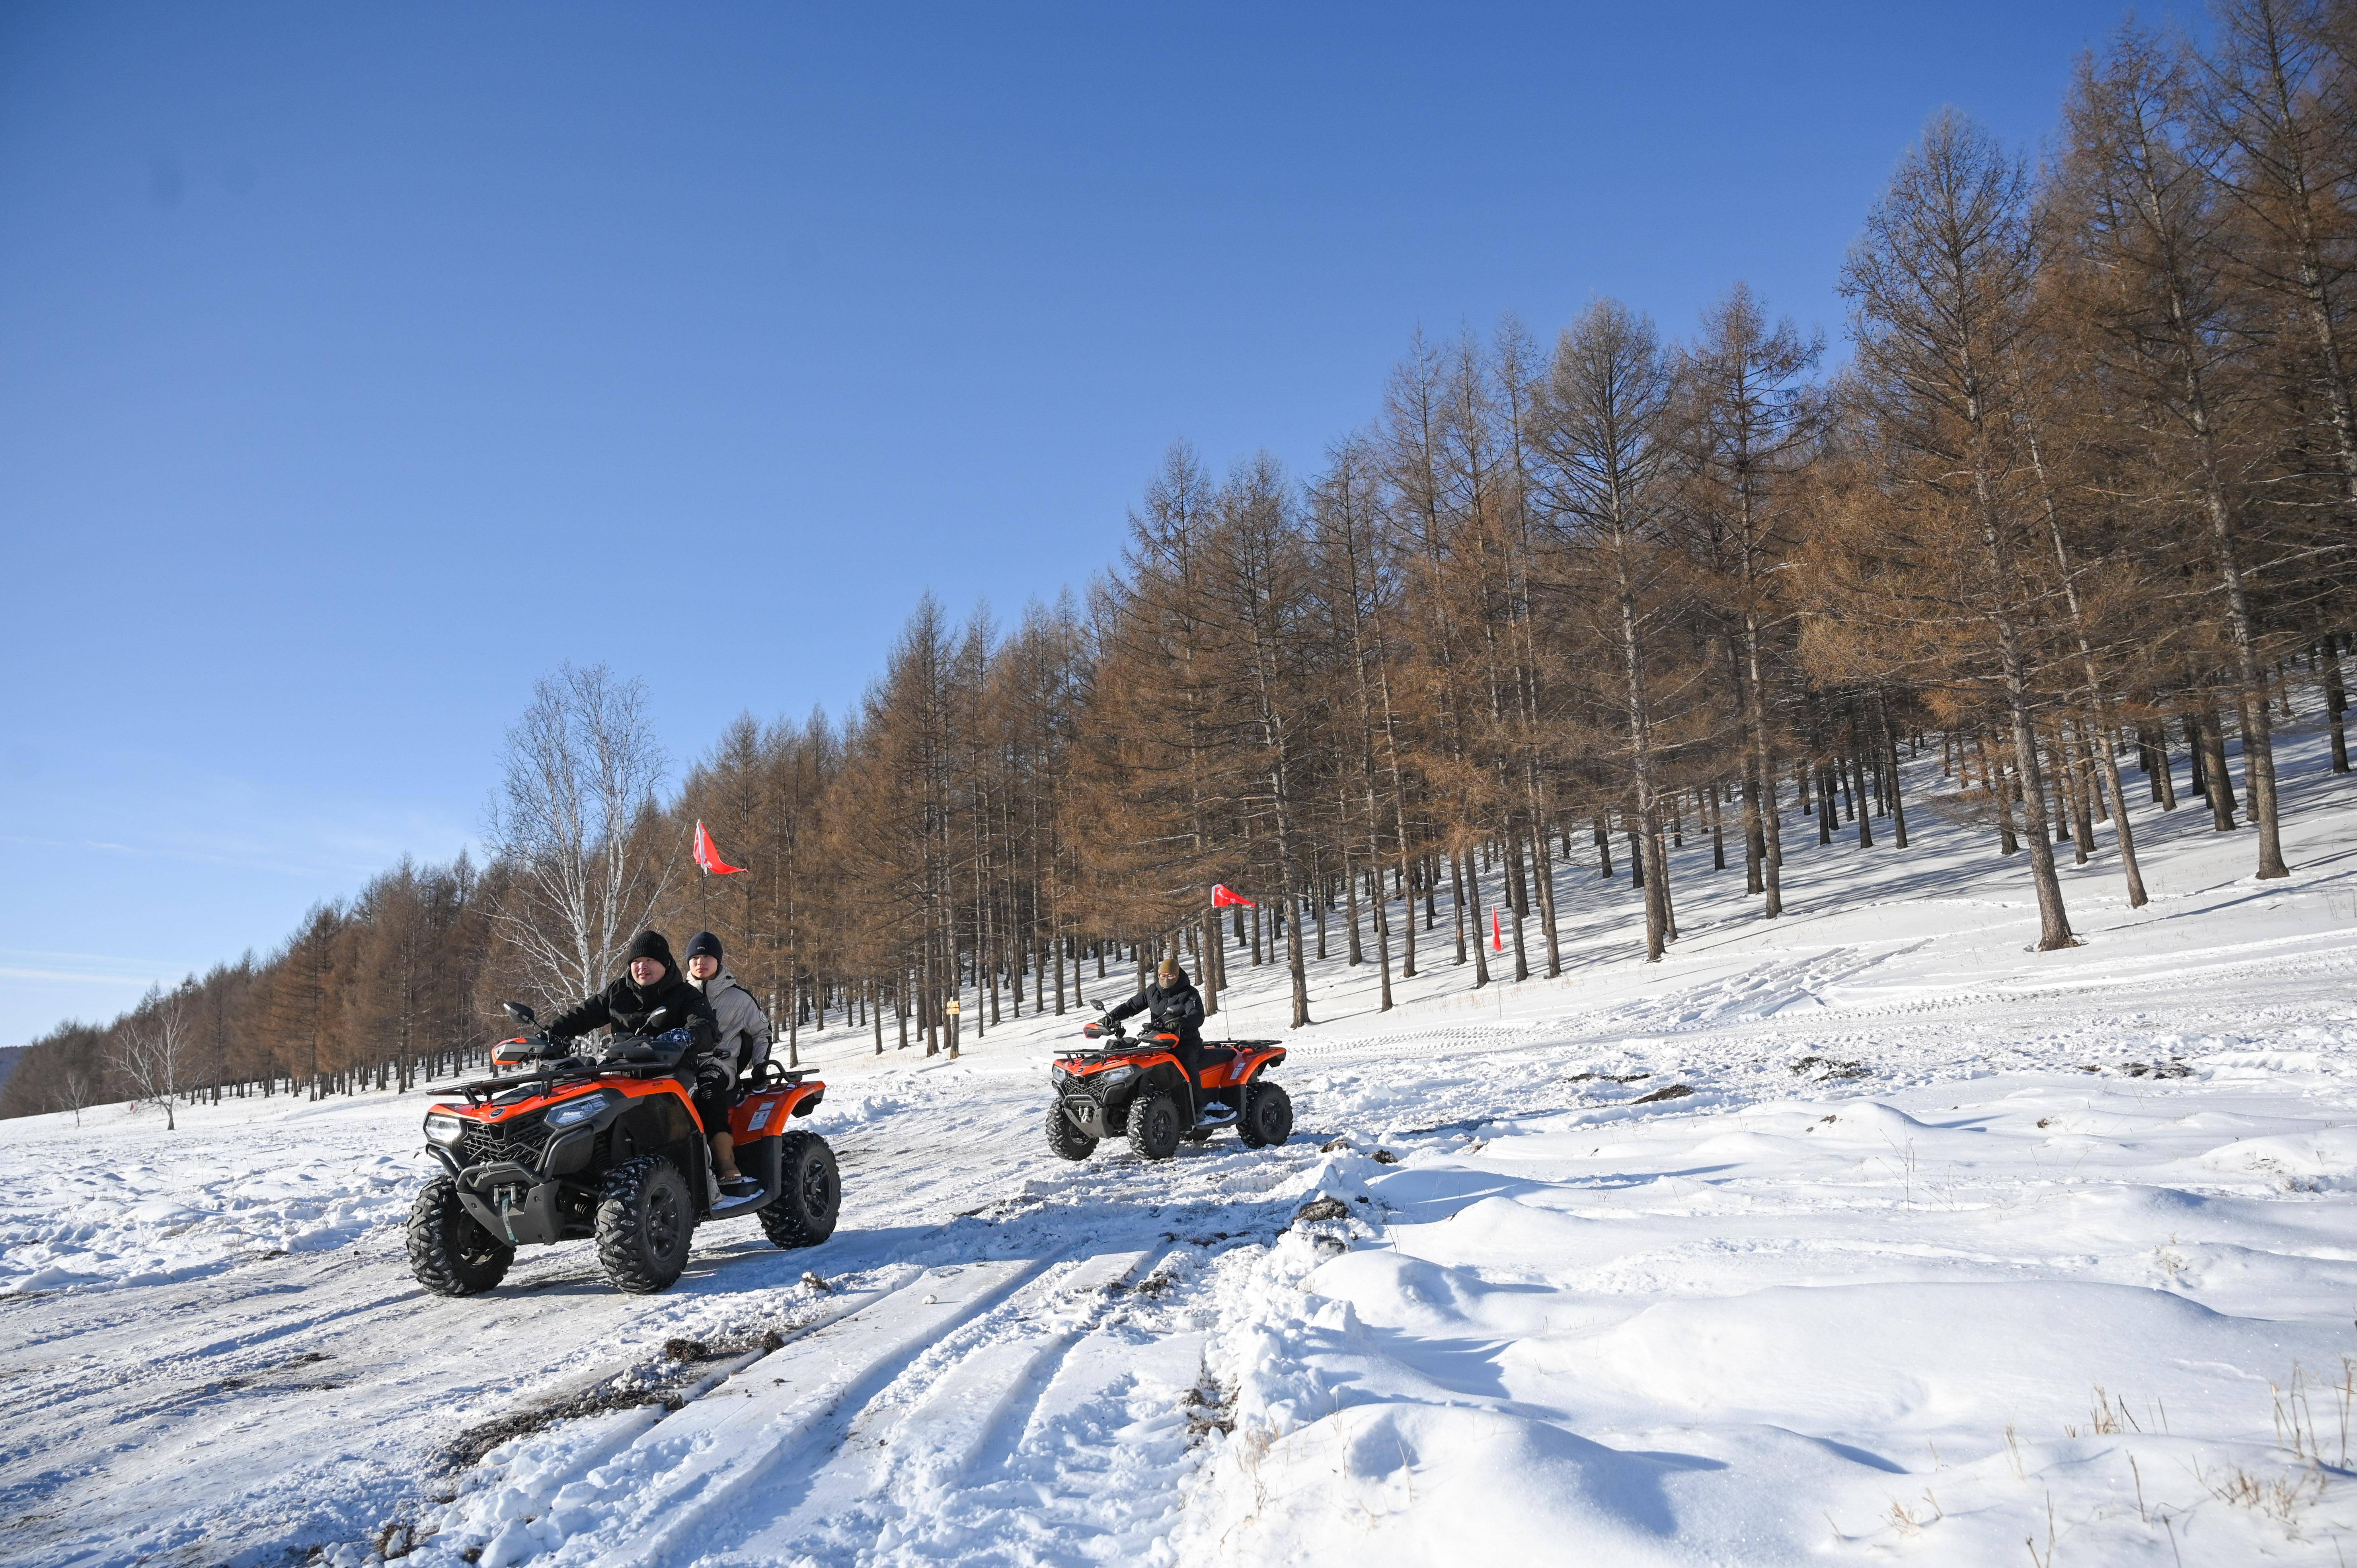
(1457,900)
(1301,1018)
(1890,763)
(1543,867)
(1472,885)
(1857,783)
(2336,702)
(2214,781)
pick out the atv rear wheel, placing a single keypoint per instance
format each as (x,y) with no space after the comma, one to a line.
(1065,1139)
(810,1193)
(646,1221)
(1267,1119)
(1155,1125)
(449,1250)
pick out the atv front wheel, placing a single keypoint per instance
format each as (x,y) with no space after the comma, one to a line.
(449,1250)
(1267,1119)
(645,1224)
(1154,1125)
(810,1193)
(1065,1139)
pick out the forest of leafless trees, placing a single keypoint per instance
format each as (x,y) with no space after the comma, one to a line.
(2072,517)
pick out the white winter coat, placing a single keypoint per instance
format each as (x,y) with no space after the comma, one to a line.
(744,1028)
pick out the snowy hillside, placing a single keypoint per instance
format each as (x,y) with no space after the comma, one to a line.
(1868,1235)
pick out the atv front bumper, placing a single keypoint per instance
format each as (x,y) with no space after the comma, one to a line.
(512,1203)
(1098,1119)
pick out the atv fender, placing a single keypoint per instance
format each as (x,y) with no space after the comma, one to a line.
(568,1151)
(763,1112)
(1253,1071)
(651,1126)
(1166,1075)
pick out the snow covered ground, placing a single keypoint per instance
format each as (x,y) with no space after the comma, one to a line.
(1870,1234)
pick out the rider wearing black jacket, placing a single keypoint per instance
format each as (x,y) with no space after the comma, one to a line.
(626,1006)
(1172,1004)
(663,1000)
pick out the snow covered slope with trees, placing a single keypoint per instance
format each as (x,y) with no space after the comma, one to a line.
(1873,1233)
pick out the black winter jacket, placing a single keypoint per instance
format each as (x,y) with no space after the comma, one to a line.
(1179,1008)
(671,1003)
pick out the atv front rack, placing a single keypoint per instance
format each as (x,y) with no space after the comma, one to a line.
(478,1090)
(564,1069)
(1124,1046)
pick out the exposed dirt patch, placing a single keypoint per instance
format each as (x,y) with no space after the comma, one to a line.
(1825,1068)
(662,1383)
(1668,1092)
(1208,1409)
(621,1392)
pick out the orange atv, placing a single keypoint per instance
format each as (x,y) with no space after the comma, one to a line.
(608,1145)
(1137,1088)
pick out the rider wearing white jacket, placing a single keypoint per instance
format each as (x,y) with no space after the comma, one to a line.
(744,1028)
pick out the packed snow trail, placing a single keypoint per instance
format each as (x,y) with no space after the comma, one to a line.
(1866,1234)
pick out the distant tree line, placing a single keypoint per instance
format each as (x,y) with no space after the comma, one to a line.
(2080,505)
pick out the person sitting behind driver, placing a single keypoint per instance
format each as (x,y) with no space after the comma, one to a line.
(1173,1006)
(744,1039)
(651,997)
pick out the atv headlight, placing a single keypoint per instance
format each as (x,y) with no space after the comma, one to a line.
(445,1129)
(1117,1075)
(580,1110)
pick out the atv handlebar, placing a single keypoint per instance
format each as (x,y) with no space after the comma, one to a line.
(622,1050)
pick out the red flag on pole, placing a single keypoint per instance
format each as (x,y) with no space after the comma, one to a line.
(1222,898)
(707,855)
(1497,933)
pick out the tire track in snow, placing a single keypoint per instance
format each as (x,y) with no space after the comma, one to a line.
(680,1481)
(854,1435)
(900,1458)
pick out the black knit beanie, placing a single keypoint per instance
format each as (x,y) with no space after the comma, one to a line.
(702,942)
(649,944)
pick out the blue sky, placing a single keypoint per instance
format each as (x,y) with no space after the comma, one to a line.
(359,365)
